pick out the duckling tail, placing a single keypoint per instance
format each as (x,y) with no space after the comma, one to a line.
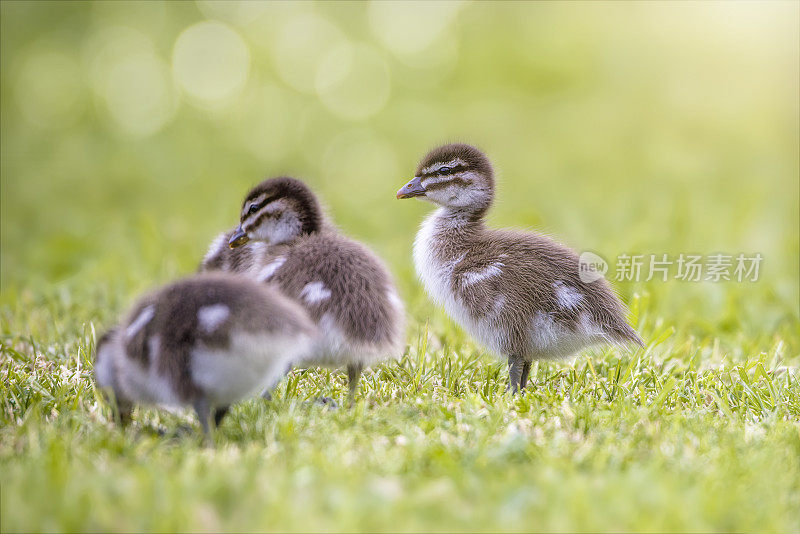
(625,333)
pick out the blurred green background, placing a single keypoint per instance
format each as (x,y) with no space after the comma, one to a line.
(131,131)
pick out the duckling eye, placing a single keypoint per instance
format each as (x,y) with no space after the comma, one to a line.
(254,208)
(445,170)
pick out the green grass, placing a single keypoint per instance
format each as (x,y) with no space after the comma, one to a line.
(639,129)
(677,437)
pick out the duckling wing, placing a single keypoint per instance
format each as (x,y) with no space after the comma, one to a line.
(532,276)
(342,283)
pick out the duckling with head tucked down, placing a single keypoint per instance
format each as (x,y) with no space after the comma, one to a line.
(206,341)
(518,293)
(284,238)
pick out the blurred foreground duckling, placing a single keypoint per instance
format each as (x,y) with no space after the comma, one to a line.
(284,238)
(518,293)
(206,341)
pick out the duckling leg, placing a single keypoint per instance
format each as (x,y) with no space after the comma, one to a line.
(203,410)
(219,415)
(124,410)
(267,393)
(353,375)
(515,365)
(526,369)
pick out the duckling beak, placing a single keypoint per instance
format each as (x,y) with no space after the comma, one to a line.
(238,238)
(412,189)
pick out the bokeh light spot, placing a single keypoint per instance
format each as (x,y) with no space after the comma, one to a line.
(139,94)
(353,81)
(300,47)
(105,48)
(234,11)
(211,62)
(131,78)
(407,28)
(434,64)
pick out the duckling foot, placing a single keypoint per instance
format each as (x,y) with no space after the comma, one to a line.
(207,417)
(526,370)
(518,370)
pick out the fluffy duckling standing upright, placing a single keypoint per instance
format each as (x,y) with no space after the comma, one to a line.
(284,238)
(518,293)
(206,341)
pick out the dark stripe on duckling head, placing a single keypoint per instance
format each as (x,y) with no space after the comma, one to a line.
(299,195)
(447,183)
(445,171)
(258,218)
(472,158)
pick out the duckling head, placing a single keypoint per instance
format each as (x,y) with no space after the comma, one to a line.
(457,176)
(276,211)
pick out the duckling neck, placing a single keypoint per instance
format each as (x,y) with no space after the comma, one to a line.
(450,230)
(459,219)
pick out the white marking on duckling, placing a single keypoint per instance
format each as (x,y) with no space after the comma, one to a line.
(499,304)
(270,269)
(491,270)
(568,297)
(314,292)
(153,347)
(258,252)
(394,300)
(544,331)
(141,320)
(258,248)
(211,317)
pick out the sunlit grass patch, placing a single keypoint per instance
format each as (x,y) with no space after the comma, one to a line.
(673,437)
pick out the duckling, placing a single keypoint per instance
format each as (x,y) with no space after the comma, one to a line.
(207,341)
(518,293)
(345,288)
